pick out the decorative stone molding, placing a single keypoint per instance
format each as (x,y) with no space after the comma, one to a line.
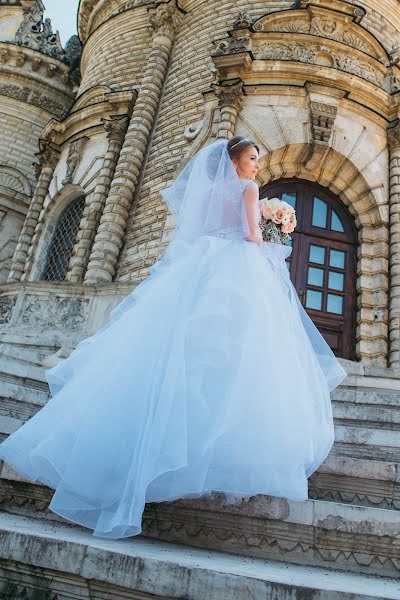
(231,45)
(318,54)
(7,304)
(118,205)
(4,55)
(230,96)
(14,180)
(25,94)
(55,312)
(322,119)
(325,27)
(116,128)
(37,33)
(14,591)
(166,19)
(394,241)
(48,157)
(242,21)
(74,155)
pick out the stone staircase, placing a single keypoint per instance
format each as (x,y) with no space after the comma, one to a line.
(344,542)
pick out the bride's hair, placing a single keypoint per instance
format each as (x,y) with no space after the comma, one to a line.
(238,144)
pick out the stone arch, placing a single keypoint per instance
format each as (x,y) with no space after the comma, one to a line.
(338,174)
(335,172)
(47,224)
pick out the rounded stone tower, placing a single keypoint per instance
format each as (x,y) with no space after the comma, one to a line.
(35,87)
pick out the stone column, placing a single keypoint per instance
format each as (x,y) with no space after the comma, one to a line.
(48,158)
(394,241)
(111,232)
(230,99)
(116,129)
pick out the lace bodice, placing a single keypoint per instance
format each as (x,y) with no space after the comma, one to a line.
(235,231)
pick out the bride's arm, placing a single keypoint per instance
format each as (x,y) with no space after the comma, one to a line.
(250,199)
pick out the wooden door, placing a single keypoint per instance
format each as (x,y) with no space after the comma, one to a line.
(323,261)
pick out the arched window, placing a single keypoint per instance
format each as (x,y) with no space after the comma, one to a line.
(323,261)
(63,241)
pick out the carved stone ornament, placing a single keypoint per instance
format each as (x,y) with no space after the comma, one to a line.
(54,312)
(229,95)
(131,4)
(243,20)
(116,127)
(14,591)
(7,304)
(308,53)
(192,131)
(4,56)
(48,156)
(322,119)
(32,97)
(326,24)
(37,33)
(73,51)
(166,19)
(231,46)
(14,180)
(74,156)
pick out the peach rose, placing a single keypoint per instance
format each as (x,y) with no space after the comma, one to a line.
(277,216)
(287,228)
(266,212)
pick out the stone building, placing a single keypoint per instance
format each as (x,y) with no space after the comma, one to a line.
(316,83)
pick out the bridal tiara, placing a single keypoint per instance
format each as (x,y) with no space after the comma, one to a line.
(240,142)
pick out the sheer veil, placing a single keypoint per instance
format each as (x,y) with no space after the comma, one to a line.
(207,195)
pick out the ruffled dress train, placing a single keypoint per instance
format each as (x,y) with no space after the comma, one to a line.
(208,377)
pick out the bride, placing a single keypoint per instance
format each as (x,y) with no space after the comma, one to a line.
(209,377)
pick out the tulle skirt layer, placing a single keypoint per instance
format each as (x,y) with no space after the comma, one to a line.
(209,377)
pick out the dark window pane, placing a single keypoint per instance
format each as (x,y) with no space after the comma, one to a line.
(290,198)
(320,209)
(63,241)
(335,304)
(336,222)
(317,254)
(314,299)
(336,281)
(336,259)
(315,276)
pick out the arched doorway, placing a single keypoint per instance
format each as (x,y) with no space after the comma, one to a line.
(323,261)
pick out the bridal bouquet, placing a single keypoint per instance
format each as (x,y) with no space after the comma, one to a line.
(278,220)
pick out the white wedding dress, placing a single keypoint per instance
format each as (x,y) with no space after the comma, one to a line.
(208,377)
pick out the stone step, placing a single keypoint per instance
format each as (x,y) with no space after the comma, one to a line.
(20,399)
(34,355)
(371,408)
(72,563)
(357,481)
(314,532)
(21,372)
